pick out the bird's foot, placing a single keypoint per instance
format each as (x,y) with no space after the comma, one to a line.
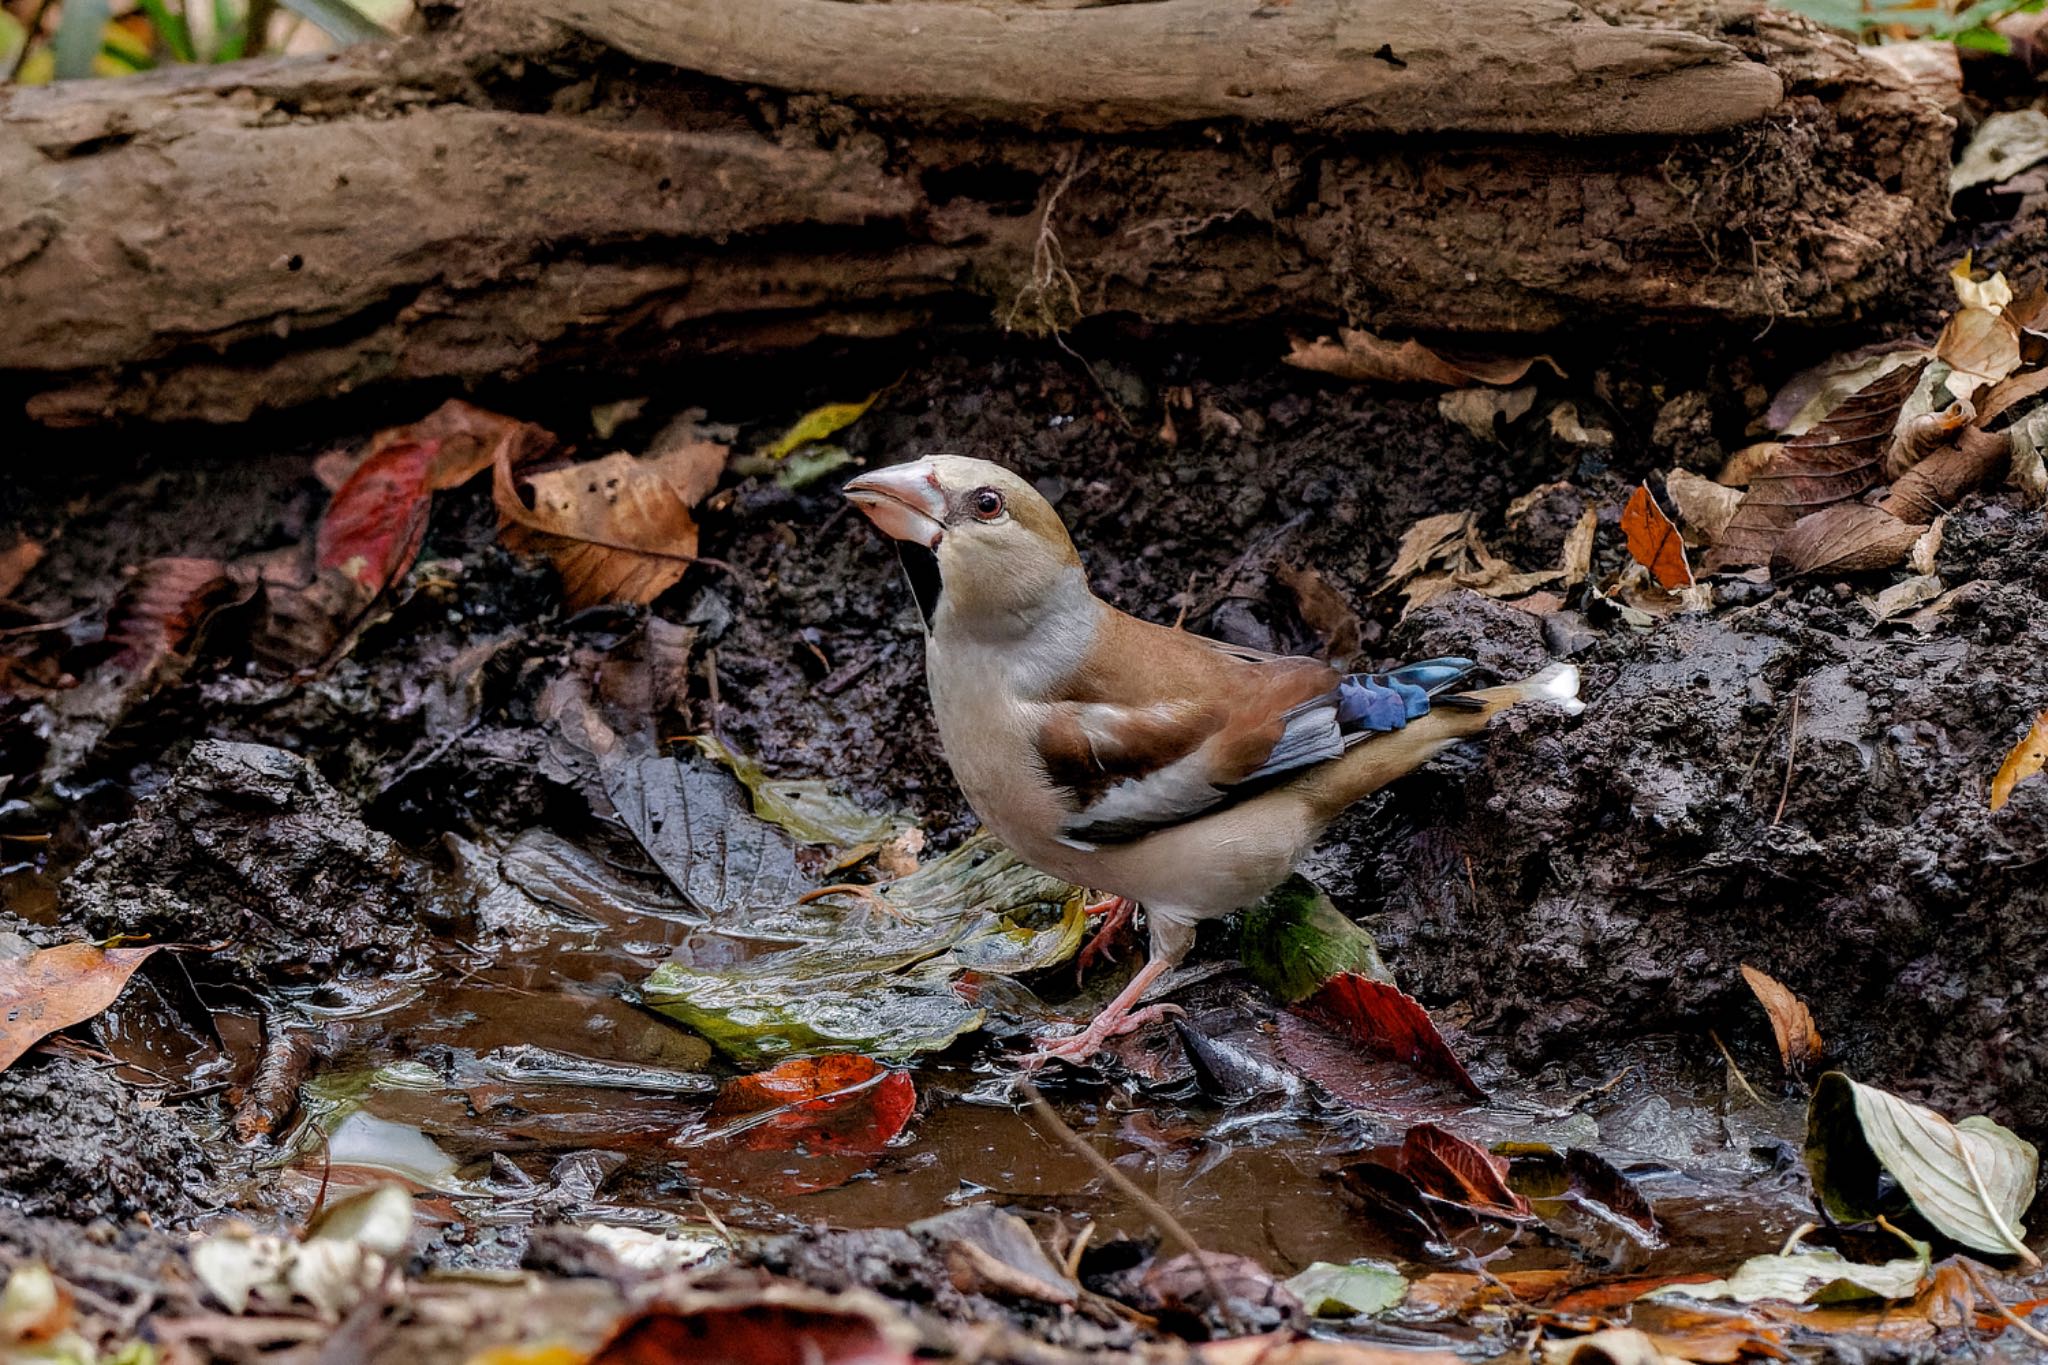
(1079,1047)
(1115,912)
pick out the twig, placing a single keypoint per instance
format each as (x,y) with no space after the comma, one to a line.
(28,39)
(1791,751)
(1078,1250)
(1125,1186)
(1735,1070)
(1799,1234)
(2031,1332)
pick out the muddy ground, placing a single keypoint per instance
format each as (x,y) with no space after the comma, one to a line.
(1779,782)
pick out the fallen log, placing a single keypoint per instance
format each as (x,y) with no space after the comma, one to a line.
(619,182)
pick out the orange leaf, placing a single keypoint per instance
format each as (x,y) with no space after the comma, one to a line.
(59,987)
(764,1330)
(2025,760)
(1798,1040)
(16,562)
(1445,1165)
(1363,356)
(1654,542)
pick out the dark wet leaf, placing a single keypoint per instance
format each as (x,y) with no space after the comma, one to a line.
(1596,1185)
(1183,1290)
(1971,1180)
(58,987)
(617,529)
(1835,461)
(1851,537)
(1400,1204)
(875,968)
(765,1327)
(1296,939)
(558,873)
(1654,542)
(1386,1022)
(1792,1023)
(694,823)
(1231,1074)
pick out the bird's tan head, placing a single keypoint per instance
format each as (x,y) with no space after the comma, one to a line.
(972,534)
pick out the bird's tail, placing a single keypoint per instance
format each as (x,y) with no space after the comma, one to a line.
(1382,758)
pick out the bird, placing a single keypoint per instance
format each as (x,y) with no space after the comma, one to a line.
(1165,770)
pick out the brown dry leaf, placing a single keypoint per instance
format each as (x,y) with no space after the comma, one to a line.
(1324,611)
(1922,556)
(59,987)
(1576,561)
(15,564)
(1933,67)
(1478,409)
(1704,506)
(2016,389)
(1850,537)
(1799,1043)
(1980,346)
(1921,435)
(1902,597)
(1423,543)
(1977,460)
(1566,426)
(2023,762)
(1745,464)
(1362,356)
(1837,460)
(1654,542)
(617,529)
(1812,394)
(1286,1348)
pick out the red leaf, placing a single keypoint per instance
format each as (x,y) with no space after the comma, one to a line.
(840,1104)
(1387,1023)
(1445,1165)
(59,987)
(1654,542)
(162,608)
(765,1332)
(374,526)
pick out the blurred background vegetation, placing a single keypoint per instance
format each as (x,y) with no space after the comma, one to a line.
(46,40)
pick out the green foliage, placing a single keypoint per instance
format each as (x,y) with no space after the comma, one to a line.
(89,42)
(1967,25)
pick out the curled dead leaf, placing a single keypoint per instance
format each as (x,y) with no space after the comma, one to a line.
(1924,433)
(1479,409)
(1738,469)
(1704,506)
(1977,460)
(2025,760)
(1422,543)
(1566,425)
(16,562)
(1654,542)
(1925,550)
(1324,611)
(617,529)
(1360,355)
(1576,560)
(1799,1044)
(1850,537)
(1837,460)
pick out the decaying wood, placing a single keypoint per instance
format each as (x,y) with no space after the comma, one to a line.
(614,183)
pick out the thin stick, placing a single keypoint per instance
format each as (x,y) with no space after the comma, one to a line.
(28,39)
(1791,750)
(1735,1070)
(1125,1186)
(1078,1250)
(2026,1328)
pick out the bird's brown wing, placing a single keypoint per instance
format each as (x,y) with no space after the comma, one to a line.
(1160,726)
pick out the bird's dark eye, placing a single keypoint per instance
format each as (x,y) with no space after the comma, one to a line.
(987,503)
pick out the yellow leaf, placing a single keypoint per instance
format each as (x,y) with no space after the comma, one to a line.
(817,424)
(2023,762)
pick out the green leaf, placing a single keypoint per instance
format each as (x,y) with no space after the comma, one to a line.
(1971,1181)
(1329,1290)
(77,43)
(1811,1277)
(339,20)
(806,807)
(230,35)
(171,29)
(1295,939)
(877,976)
(1982,39)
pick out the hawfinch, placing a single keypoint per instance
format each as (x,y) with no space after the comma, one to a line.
(1183,774)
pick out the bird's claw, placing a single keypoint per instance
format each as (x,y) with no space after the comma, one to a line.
(1116,912)
(1077,1048)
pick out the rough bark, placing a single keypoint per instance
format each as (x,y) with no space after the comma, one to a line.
(508,195)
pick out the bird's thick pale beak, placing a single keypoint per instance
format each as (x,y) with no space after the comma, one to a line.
(903,501)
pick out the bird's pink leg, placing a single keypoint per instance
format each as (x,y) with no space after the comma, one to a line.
(1116,912)
(1117,1017)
